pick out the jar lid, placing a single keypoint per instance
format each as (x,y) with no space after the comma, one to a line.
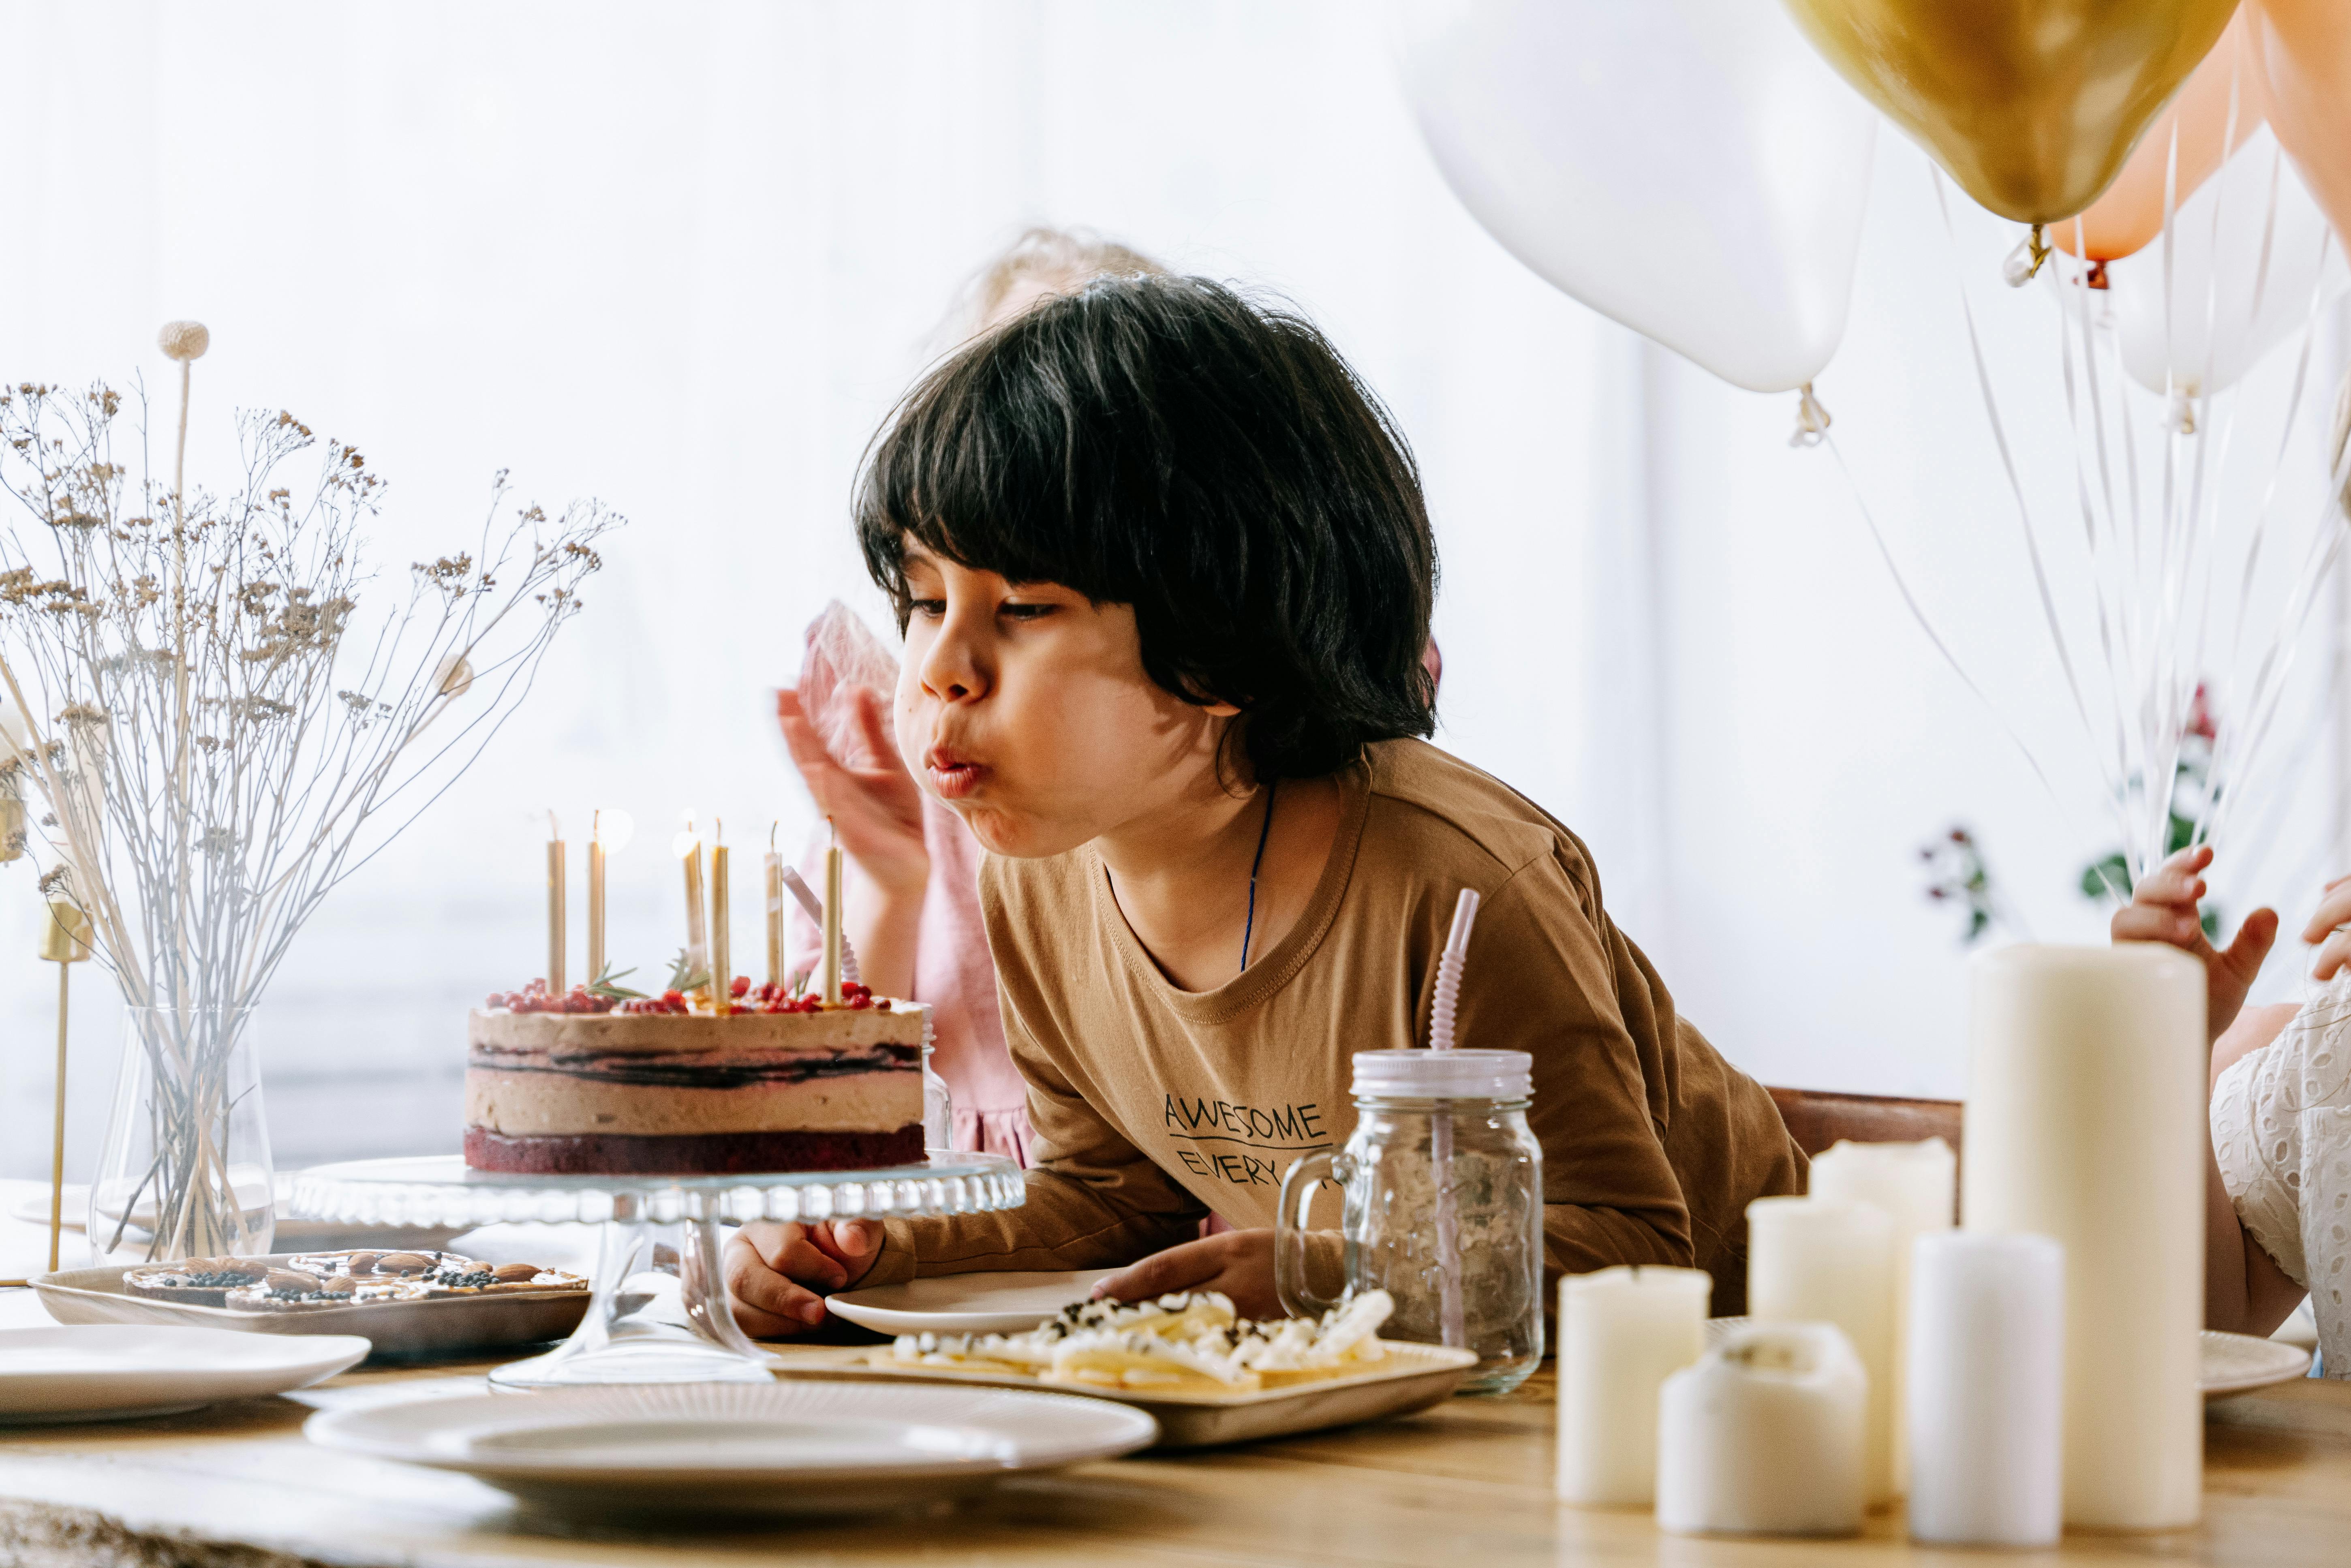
(1420,1074)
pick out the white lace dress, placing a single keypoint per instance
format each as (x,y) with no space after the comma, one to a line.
(2281,1132)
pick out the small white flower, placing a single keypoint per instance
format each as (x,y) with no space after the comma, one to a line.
(183,340)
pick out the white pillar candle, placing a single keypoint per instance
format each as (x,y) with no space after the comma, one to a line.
(1813,1259)
(1915,1184)
(1987,1377)
(1622,1332)
(1763,1435)
(2086,1124)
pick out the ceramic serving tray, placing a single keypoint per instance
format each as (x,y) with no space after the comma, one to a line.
(399,1330)
(1410,1377)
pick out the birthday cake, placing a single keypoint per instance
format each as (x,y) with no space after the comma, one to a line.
(579,1085)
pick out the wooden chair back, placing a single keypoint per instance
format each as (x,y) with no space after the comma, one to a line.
(1817,1118)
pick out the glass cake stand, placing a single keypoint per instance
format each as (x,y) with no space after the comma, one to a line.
(660,1312)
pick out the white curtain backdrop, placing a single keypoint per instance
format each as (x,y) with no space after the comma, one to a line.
(683,257)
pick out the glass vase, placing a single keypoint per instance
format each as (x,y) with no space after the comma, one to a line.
(185,1172)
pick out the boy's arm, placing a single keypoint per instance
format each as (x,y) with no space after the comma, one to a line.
(1539,978)
(1092,1200)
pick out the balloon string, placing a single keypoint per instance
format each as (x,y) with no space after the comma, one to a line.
(2107,638)
(1927,625)
(2016,488)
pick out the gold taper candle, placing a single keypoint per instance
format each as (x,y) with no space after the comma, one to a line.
(65,942)
(555,906)
(775,911)
(831,917)
(595,897)
(698,945)
(722,955)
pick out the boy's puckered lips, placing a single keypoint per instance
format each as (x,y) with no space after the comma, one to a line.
(952,775)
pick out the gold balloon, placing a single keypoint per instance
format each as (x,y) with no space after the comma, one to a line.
(2032,105)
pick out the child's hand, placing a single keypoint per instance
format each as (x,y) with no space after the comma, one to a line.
(1238,1262)
(768,1263)
(2163,909)
(874,803)
(2326,931)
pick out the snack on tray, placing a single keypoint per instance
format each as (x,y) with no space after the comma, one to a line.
(584,1085)
(1189,1343)
(317,1280)
(193,1281)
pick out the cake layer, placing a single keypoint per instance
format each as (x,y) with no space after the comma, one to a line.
(595,1035)
(710,1154)
(545,1100)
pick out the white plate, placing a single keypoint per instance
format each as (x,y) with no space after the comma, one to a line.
(965,1303)
(109,1372)
(2231,1363)
(729,1448)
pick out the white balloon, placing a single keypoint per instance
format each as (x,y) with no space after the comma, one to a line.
(1688,167)
(2226,310)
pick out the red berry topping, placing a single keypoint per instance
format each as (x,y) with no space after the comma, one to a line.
(741,986)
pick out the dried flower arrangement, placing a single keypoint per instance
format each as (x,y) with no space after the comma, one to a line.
(217,736)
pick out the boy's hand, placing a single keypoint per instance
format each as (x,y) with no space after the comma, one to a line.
(2326,931)
(768,1263)
(1238,1262)
(2163,909)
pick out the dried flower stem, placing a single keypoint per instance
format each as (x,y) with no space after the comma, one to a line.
(217,750)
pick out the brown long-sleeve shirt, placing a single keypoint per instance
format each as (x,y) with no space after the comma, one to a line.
(1152,1105)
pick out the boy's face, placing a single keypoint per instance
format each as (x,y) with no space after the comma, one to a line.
(1026,708)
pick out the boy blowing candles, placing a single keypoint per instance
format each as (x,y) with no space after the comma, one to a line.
(1164,574)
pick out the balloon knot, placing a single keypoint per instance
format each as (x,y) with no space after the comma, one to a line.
(2180,417)
(2025,261)
(1811,420)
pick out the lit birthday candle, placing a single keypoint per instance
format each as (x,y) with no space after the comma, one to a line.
(775,910)
(555,905)
(722,957)
(611,831)
(687,846)
(831,917)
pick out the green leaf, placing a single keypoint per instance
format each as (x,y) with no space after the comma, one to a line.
(681,977)
(2107,878)
(608,984)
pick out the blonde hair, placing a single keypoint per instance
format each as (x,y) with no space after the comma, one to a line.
(1051,261)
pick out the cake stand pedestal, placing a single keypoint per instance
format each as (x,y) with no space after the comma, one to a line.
(660,1312)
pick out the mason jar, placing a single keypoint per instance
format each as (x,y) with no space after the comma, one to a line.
(1441,1170)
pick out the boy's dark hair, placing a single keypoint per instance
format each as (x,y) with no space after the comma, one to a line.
(1167,444)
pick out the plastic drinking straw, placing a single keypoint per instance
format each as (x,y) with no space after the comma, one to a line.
(1440,1038)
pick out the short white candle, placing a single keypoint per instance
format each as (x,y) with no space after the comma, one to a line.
(1622,1332)
(1916,1186)
(2086,1124)
(1813,1259)
(1763,1436)
(1987,1379)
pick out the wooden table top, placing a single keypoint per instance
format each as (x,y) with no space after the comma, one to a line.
(1467,1485)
